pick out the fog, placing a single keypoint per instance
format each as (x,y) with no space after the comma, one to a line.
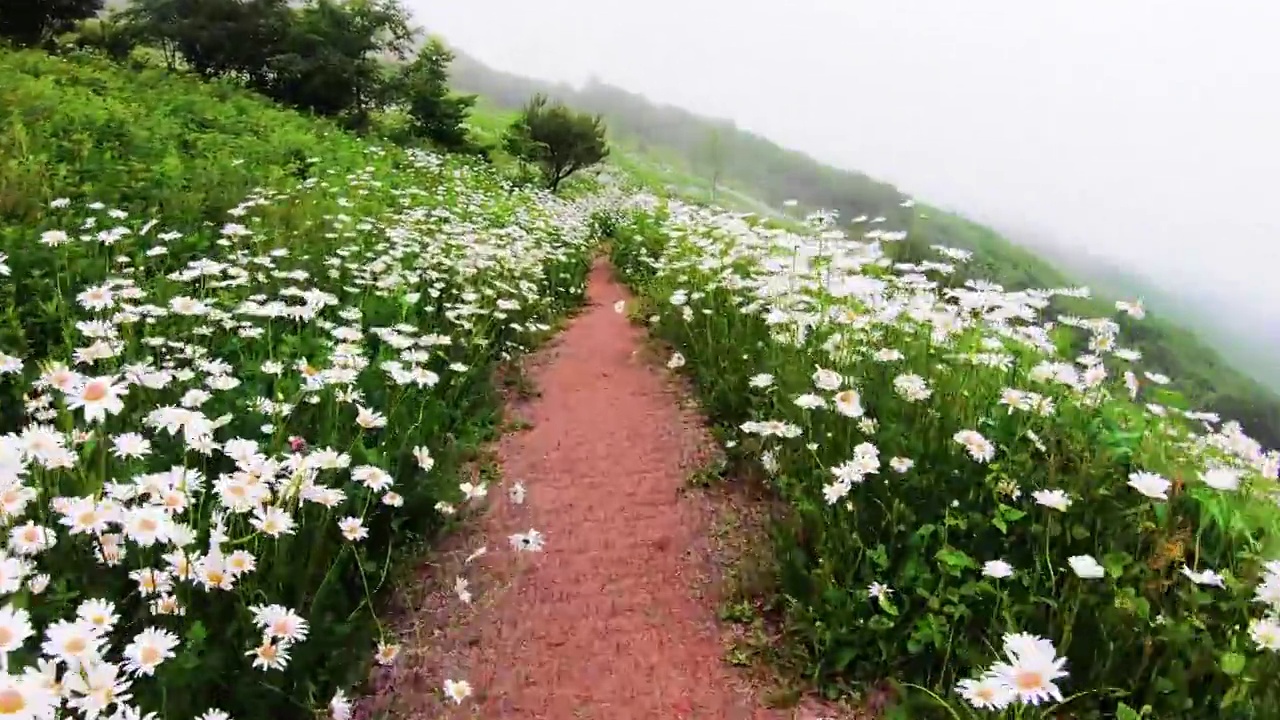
(1142,131)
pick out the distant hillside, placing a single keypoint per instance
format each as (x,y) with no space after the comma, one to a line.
(769,172)
(1253,349)
(698,148)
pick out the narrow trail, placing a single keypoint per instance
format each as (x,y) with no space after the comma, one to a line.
(604,622)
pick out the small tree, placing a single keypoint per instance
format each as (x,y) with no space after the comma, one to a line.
(436,114)
(30,22)
(556,139)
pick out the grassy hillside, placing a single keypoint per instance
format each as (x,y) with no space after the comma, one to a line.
(664,171)
(1252,348)
(954,483)
(243,357)
(247,360)
(1199,371)
(139,140)
(669,147)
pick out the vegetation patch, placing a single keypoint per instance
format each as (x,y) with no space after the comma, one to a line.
(250,359)
(981,515)
(676,153)
(246,361)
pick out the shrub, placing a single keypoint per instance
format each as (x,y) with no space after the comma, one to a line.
(324,56)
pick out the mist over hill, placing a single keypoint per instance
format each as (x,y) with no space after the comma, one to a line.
(775,174)
(772,173)
(1231,370)
(1250,340)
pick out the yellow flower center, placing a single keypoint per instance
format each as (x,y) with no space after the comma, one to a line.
(12,702)
(1028,680)
(95,391)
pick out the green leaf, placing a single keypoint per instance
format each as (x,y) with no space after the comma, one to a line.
(197,633)
(880,622)
(1234,695)
(879,556)
(1012,514)
(888,606)
(1232,663)
(1116,563)
(844,656)
(954,558)
(1124,712)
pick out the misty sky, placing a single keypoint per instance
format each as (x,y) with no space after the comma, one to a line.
(1145,131)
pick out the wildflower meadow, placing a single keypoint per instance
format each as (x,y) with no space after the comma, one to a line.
(244,358)
(992,503)
(248,361)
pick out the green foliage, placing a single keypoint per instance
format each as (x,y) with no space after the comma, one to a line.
(282,283)
(107,35)
(330,60)
(1198,371)
(836,331)
(325,56)
(213,38)
(556,139)
(81,128)
(437,115)
(30,22)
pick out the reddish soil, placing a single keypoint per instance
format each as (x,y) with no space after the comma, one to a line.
(604,622)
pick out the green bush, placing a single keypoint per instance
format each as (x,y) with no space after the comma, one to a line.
(925,440)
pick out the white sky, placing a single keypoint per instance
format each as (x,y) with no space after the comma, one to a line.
(1146,131)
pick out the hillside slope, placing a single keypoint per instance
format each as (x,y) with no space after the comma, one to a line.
(250,364)
(213,300)
(1251,347)
(694,147)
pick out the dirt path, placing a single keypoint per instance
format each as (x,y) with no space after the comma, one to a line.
(603,622)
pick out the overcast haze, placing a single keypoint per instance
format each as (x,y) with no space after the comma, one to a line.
(1145,132)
